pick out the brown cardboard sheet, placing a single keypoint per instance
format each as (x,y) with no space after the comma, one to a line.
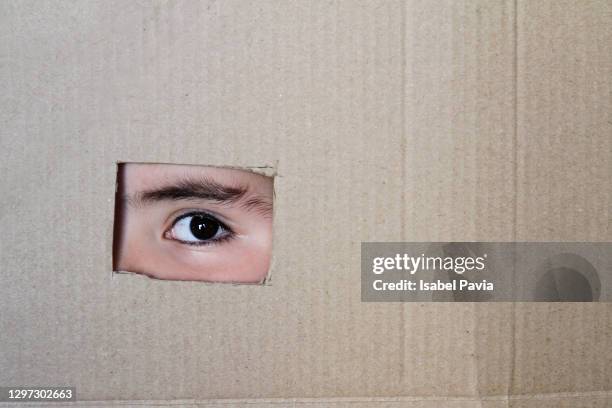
(382,121)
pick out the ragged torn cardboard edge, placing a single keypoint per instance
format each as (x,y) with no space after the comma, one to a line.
(264,170)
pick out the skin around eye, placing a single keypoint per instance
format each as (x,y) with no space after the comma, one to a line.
(176,236)
(198,228)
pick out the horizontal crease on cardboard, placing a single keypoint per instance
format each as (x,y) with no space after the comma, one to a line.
(565,396)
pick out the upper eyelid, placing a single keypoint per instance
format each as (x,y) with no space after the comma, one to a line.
(197,212)
(220,219)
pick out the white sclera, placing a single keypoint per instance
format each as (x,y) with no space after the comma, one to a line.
(182,231)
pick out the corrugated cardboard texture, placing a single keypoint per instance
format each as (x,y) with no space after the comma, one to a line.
(385,121)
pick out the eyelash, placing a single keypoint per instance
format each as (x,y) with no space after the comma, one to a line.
(229,234)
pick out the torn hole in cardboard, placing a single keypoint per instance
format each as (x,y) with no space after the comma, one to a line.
(194,223)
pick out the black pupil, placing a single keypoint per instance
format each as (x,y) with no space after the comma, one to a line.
(203,227)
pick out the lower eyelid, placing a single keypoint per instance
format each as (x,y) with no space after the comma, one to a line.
(215,241)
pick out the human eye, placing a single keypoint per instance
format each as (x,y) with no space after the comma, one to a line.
(198,228)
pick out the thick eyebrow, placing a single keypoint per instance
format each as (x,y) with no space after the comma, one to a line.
(202,189)
(189,189)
